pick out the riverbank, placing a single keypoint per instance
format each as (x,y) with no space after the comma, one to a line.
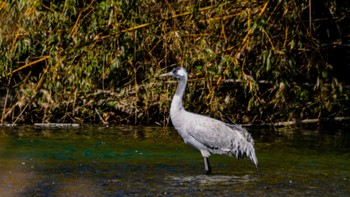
(98,62)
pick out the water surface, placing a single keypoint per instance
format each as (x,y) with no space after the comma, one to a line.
(151,161)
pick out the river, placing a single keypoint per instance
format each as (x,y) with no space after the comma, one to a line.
(154,161)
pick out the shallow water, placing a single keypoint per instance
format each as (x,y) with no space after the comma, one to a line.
(151,161)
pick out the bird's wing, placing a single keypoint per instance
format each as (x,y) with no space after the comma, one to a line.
(213,133)
(242,130)
(220,137)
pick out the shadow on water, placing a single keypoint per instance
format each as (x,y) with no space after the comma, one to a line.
(148,161)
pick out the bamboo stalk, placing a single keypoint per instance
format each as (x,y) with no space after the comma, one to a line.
(221,18)
(263,9)
(28,64)
(75,26)
(310,16)
(2,5)
(268,38)
(80,13)
(5,104)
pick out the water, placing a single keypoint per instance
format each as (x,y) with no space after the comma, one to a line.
(152,161)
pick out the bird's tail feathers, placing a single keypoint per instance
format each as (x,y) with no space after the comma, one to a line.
(245,144)
(250,152)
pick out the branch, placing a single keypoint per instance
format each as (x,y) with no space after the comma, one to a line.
(27,65)
(296,122)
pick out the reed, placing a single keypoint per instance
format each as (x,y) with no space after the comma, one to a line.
(99,61)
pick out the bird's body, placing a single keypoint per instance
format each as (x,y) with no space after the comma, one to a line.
(208,135)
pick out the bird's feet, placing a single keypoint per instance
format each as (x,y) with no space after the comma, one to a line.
(207,166)
(207,172)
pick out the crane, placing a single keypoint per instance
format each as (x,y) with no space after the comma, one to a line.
(206,134)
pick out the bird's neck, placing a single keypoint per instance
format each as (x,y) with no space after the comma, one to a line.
(176,104)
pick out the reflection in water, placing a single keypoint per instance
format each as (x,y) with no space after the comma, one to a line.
(97,161)
(210,180)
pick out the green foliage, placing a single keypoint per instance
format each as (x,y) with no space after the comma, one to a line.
(93,62)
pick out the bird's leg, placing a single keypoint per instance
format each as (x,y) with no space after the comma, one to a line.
(207,165)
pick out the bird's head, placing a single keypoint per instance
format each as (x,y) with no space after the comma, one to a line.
(179,73)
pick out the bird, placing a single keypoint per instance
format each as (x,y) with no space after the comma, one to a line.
(206,134)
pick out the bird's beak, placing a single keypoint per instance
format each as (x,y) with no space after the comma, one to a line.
(166,74)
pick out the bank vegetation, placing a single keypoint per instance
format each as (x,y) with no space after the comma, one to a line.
(99,61)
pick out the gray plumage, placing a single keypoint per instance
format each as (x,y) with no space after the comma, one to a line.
(208,135)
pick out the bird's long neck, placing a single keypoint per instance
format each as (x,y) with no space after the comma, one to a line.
(176,104)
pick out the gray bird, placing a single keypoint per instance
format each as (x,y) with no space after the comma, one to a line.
(208,135)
